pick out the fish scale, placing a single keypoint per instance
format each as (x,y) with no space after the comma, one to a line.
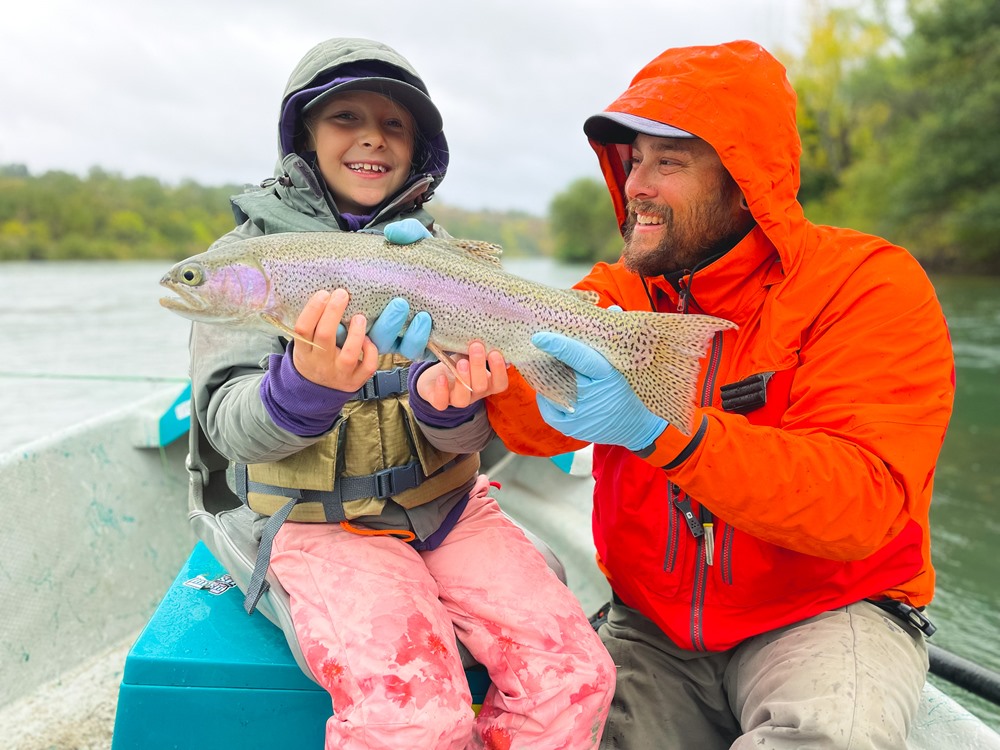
(264,282)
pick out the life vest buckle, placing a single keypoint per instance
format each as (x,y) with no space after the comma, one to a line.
(397,479)
(384,383)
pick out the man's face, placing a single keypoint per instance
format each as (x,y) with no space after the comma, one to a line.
(683,206)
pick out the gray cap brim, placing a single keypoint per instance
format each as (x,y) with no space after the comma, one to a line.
(619,127)
(425,114)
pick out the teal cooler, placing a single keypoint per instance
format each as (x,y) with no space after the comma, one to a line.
(203,673)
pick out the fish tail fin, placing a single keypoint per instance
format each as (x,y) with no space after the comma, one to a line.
(665,361)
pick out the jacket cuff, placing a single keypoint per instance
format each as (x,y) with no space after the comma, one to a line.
(296,404)
(672,447)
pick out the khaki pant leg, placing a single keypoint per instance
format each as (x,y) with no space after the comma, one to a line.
(665,697)
(850,678)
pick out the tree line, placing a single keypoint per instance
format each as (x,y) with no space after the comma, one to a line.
(62,216)
(897,109)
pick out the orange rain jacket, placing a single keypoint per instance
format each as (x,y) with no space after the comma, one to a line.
(819,497)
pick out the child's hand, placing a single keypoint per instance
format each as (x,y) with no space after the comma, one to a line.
(487,374)
(344,368)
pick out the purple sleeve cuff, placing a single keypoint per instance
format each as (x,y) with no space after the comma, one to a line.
(453,416)
(298,405)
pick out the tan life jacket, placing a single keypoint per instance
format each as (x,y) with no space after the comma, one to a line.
(375,451)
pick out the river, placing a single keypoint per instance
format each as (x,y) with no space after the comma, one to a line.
(84,338)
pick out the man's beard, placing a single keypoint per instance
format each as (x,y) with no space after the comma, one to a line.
(709,230)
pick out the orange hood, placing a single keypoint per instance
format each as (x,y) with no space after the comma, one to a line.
(736,97)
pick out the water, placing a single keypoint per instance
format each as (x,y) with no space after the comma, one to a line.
(84,338)
(81,339)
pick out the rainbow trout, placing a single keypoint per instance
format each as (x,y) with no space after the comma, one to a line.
(264,282)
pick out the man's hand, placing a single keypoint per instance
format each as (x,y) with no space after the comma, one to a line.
(485,373)
(607,411)
(388,335)
(406,232)
(343,367)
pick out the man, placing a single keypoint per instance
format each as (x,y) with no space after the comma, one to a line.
(770,568)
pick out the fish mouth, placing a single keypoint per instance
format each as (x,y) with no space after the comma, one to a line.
(186,302)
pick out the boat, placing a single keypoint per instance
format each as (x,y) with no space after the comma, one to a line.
(98,530)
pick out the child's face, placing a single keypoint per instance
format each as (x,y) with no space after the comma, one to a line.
(364,146)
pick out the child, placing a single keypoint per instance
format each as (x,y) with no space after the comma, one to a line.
(380,585)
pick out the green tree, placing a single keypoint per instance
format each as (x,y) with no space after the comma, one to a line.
(947,196)
(916,159)
(583,225)
(840,105)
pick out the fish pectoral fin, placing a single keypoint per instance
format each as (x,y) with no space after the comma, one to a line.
(444,359)
(290,333)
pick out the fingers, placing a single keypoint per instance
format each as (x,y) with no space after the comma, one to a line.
(318,321)
(385,330)
(406,231)
(498,372)
(354,342)
(414,343)
(344,367)
(485,372)
(576,354)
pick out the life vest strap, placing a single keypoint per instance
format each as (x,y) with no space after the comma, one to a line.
(382,484)
(258,582)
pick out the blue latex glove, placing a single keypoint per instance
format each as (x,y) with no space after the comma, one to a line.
(406,232)
(388,335)
(607,411)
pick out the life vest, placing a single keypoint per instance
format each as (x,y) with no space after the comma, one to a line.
(374,452)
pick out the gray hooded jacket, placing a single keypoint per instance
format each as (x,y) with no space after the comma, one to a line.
(227,364)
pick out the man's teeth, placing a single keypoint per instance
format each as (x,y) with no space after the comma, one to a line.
(647,219)
(368,167)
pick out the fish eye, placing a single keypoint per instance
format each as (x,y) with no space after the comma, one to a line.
(191,275)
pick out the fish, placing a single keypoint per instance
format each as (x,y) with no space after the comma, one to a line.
(263,283)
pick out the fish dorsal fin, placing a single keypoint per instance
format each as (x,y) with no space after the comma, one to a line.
(487,252)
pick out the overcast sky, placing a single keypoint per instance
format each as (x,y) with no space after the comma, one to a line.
(190,88)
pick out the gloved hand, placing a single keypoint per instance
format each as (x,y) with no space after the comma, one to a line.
(387,334)
(406,232)
(607,411)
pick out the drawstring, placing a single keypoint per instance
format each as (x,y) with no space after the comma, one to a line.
(404,534)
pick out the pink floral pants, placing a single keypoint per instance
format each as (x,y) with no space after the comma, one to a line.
(377,622)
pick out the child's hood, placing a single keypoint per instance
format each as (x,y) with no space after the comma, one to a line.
(351,58)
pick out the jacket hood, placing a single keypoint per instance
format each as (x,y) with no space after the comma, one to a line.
(345,60)
(736,97)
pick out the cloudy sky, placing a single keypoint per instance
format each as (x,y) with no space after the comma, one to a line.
(190,88)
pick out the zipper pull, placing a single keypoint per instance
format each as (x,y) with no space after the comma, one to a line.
(709,529)
(694,525)
(683,293)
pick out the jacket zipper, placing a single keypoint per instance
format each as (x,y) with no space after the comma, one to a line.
(670,558)
(705,521)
